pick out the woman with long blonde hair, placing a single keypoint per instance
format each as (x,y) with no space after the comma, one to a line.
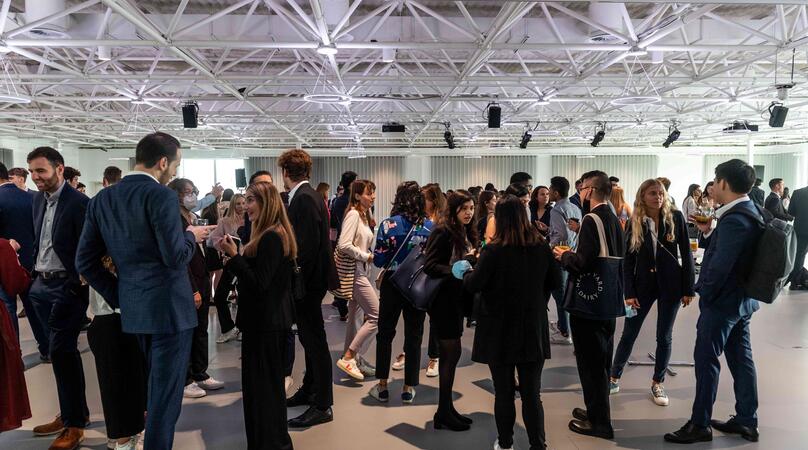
(265,315)
(658,269)
(621,208)
(355,243)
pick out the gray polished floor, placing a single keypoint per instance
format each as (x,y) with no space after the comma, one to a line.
(780,344)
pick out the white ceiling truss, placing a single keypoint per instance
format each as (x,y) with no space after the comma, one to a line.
(104,72)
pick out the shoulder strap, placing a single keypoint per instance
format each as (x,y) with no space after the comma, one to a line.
(604,249)
(406,239)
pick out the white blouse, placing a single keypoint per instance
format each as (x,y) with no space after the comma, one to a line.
(356,238)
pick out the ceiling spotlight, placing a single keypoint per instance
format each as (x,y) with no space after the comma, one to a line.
(525,139)
(672,136)
(448,137)
(636,51)
(327,50)
(493,112)
(599,135)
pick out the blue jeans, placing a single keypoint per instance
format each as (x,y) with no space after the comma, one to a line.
(666,315)
(563,315)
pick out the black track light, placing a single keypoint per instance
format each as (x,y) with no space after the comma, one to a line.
(525,139)
(672,137)
(599,135)
(448,137)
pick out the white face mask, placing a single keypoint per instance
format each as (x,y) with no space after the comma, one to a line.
(189,202)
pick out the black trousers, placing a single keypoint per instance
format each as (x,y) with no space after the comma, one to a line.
(318,380)
(391,306)
(594,345)
(432,345)
(223,290)
(505,407)
(262,372)
(122,376)
(198,365)
(799,261)
(60,305)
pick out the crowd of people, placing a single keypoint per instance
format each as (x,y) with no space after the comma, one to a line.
(148,257)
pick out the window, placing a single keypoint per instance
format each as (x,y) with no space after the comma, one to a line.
(207,172)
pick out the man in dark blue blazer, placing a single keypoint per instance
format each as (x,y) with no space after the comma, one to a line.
(17,222)
(137,223)
(726,311)
(56,292)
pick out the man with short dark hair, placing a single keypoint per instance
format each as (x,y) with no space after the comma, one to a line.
(575,198)
(137,223)
(72,176)
(560,233)
(261,176)
(756,194)
(614,181)
(310,221)
(56,291)
(112,175)
(774,203)
(592,331)
(524,179)
(19,176)
(81,187)
(666,183)
(726,311)
(16,222)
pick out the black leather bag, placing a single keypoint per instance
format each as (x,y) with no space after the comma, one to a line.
(598,294)
(412,283)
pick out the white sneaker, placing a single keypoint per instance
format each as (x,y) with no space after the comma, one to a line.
(398,364)
(432,368)
(111,443)
(497,446)
(408,396)
(288,382)
(229,336)
(193,391)
(560,339)
(614,387)
(349,366)
(211,384)
(130,445)
(658,395)
(379,394)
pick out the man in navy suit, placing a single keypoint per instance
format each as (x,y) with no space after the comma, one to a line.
(726,311)
(137,223)
(56,292)
(17,222)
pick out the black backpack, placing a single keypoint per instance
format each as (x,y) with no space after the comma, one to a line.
(773,258)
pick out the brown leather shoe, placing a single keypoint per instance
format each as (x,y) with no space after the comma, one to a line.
(70,439)
(49,429)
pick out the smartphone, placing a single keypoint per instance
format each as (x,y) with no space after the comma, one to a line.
(237,240)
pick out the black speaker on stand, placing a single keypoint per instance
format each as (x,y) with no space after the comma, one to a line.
(190,112)
(241,178)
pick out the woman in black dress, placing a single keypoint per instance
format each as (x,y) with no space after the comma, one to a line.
(515,275)
(265,315)
(455,238)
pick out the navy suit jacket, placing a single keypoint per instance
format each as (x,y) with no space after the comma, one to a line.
(137,223)
(68,221)
(17,221)
(729,256)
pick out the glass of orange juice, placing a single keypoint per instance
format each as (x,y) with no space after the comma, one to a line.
(694,245)
(563,246)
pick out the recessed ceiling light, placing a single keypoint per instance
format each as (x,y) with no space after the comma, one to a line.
(327,98)
(137,101)
(542,101)
(327,50)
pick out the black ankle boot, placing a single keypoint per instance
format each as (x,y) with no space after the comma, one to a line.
(465,419)
(449,422)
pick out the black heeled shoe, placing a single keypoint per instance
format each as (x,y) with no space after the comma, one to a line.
(465,419)
(449,422)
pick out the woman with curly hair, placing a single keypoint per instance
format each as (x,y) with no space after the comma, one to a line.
(398,235)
